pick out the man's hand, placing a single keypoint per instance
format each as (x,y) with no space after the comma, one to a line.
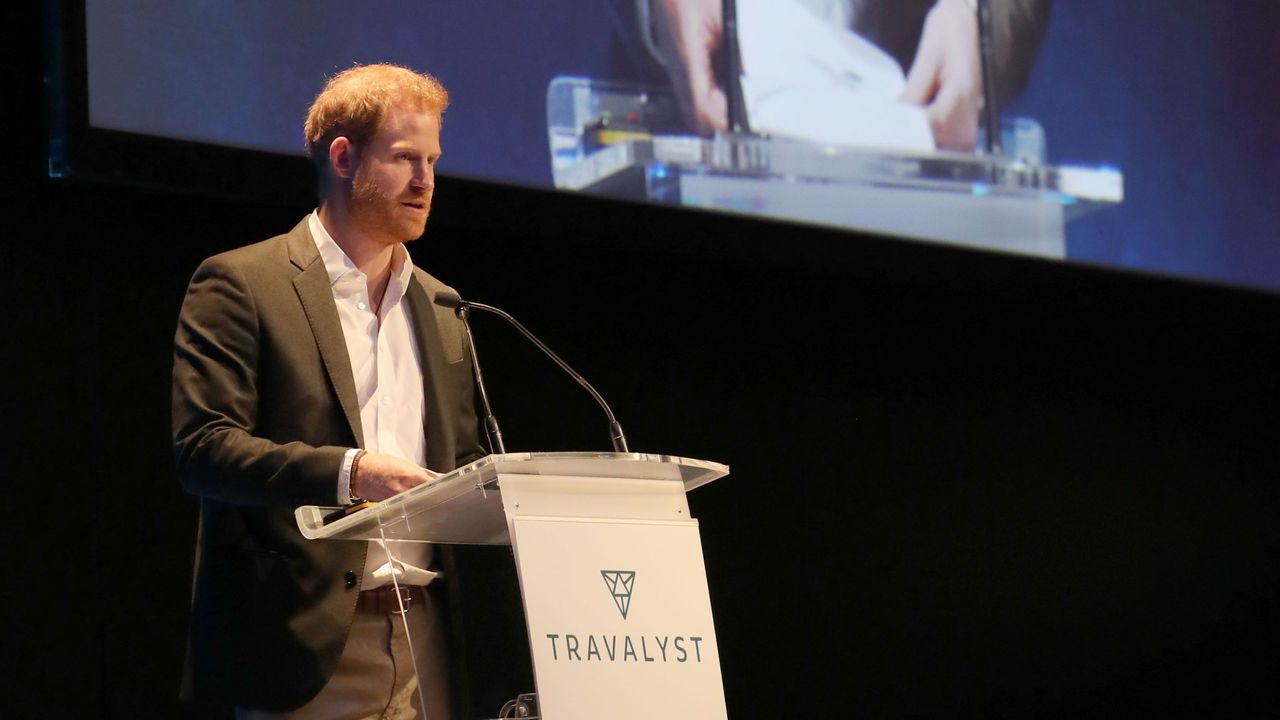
(380,476)
(946,75)
(688,33)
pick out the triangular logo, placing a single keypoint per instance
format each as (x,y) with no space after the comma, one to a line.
(620,584)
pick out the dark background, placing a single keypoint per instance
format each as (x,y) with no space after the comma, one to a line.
(962,484)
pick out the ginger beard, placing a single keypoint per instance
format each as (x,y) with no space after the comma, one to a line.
(381,211)
(394,179)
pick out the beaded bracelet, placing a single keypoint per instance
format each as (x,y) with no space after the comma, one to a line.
(355,466)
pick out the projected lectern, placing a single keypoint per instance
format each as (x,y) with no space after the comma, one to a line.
(610,567)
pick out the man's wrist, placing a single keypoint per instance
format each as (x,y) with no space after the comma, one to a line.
(354,488)
(348,485)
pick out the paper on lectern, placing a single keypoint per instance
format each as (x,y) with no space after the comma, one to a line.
(808,78)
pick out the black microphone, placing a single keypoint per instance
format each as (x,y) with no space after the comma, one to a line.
(987,56)
(736,107)
(462,307)
(450,299)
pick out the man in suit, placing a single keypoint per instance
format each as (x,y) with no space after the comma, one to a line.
(314,368)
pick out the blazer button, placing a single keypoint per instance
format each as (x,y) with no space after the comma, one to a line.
(349,579)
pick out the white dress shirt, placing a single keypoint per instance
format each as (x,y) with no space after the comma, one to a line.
(387,369)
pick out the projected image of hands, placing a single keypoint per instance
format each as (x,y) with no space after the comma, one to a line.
(905,73)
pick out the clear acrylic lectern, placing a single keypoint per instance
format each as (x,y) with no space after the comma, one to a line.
(610,567)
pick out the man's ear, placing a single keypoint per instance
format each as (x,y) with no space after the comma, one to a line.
(342,158)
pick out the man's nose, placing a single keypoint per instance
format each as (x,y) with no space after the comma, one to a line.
(424,177)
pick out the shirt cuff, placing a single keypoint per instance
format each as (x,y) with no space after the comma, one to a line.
(344,476)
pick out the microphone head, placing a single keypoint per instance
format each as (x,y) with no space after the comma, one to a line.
(448,298)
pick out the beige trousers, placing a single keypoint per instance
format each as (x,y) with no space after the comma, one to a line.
(375,677)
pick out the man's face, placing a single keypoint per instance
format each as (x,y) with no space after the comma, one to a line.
(395,177)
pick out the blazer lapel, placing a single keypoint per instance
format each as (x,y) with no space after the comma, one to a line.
(316,296)
(440,434)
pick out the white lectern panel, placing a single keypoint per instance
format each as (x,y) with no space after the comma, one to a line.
(619,619)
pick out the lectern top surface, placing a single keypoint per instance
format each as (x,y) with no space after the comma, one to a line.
(464,505)
(693,473)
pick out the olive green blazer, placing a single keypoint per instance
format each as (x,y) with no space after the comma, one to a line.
(264,407)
